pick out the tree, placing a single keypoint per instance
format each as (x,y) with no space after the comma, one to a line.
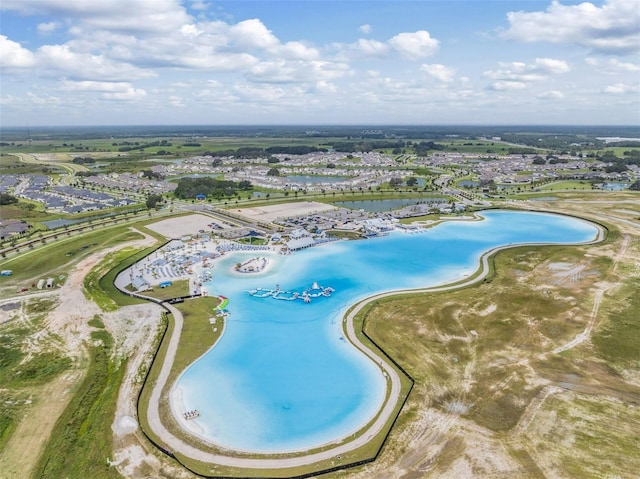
(635,186)
(273,172)
(7,199)
(412,181)
(153,201)
(395,182)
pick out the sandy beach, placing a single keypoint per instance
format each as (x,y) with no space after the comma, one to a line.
(193,261)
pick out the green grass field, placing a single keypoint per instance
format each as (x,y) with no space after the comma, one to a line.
(82,440)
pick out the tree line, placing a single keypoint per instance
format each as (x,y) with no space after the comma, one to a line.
(190,188)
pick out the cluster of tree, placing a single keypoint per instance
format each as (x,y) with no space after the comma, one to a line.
(616,167)
(365,145)
(189,188)
(137,146)
(635,186)
(154,200)
(293,150)
(196,145)
(424,147)
(152,175)
(254,152)
(81,160)
(554,160)
(7,199)
(619,165)
(631,157)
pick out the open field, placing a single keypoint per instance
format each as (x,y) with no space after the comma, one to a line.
(491,397)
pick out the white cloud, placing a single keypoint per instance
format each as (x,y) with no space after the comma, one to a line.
(14,55)
(507,85)
(551,66)
(118,15)
(414,45)
(199,5)
(101,86)
(551,95)
(297,51)
(62,60)
(108,90)
(252,34)
(370,48)
(47,100)
(127,95)
(612,28)
(47,28)
(612,66)
(621,89)
(176,101)
(10,100)
(259,93)
(519,73)
(325,87)
(283,71)
(366,28)
(438,71)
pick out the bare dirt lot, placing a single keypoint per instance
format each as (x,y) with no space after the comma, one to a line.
(175,228)
(270,213)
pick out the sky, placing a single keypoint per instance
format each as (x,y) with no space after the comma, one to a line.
(319,62)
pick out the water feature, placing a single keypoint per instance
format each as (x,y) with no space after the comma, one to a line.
(282,377)
(315,179)
(53,224)
(615,186)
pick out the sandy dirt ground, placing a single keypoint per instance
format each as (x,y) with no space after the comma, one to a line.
(69,321)
(184,225)
(270,213)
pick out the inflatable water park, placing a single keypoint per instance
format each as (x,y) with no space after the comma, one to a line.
(315,291)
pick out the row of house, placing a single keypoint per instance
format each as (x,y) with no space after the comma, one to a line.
(64,199)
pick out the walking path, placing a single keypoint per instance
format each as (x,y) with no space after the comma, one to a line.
(596,303)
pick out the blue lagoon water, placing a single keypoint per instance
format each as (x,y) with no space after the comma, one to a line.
(282,378)
(315,179)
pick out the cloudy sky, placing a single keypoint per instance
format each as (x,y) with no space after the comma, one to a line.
(122,62)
